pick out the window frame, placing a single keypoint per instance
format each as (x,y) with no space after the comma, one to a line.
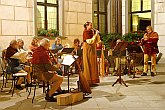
(141,11)
(98,13)
(45,5)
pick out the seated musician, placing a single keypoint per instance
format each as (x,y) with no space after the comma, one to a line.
(57,44)
(76,51)
(43,65)
(76,45)
(33,45)
(14,64)
(149,41)
(20,45)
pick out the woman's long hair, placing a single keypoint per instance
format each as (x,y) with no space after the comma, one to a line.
(56,39)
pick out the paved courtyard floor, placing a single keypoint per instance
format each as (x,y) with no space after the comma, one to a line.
(143,93)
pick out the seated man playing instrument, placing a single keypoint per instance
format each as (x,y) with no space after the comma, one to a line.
(42,66)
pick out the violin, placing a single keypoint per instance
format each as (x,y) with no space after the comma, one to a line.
(55,59)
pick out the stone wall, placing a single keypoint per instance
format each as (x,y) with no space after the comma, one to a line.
(76,13)
(16,21)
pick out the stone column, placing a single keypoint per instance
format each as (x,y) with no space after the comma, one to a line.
(158,23)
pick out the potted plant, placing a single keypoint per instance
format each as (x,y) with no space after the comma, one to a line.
(51,33)
(133,36)
(42,32)
(109,40)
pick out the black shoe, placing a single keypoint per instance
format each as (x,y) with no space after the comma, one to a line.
(62,91)
(144,74)
(28,85)
(50,99)
(152,74)
(56,93)
(18,87)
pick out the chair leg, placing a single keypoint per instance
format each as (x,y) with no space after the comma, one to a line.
(13,85)
(25,84)
(47,87)
(29,92)
(3,81)
(6,79)
(43,87)
(34,93)
(150,67)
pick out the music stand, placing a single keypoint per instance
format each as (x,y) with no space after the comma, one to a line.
(132,51)
(68,61)
(118,49)
(54,50)
(134,48)
(67,50)
(79,52)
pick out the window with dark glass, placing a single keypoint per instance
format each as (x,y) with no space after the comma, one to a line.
(47,15)
(100,15)
(140,14)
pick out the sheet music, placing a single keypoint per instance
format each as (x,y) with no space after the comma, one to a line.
(68,60)
(20,55)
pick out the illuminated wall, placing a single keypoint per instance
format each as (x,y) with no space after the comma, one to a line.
(16,21)
(75,14)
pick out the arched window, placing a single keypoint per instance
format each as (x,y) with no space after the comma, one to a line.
(140,14)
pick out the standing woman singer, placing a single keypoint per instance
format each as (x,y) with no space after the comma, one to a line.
(90,38)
